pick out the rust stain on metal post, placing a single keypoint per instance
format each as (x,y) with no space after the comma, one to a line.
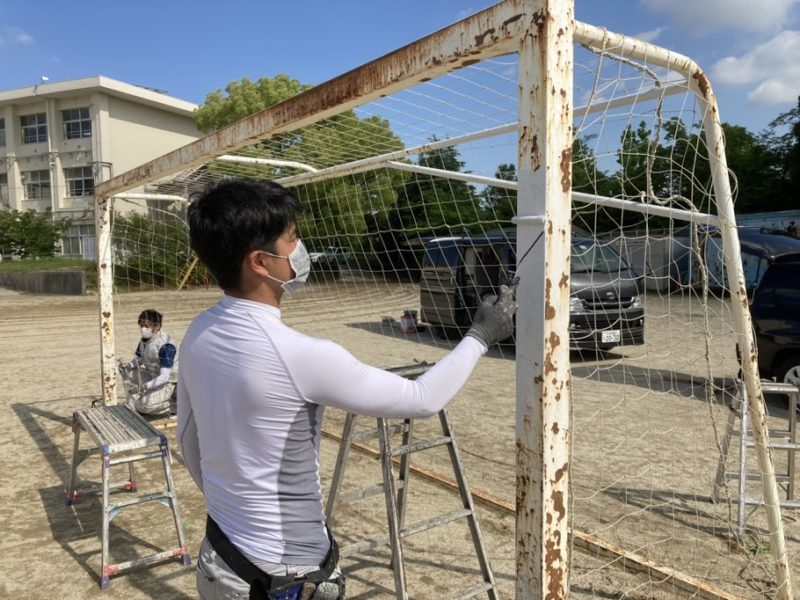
(702,83)
(566,169)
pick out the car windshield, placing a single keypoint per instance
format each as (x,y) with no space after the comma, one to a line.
(590,257)
(441,255)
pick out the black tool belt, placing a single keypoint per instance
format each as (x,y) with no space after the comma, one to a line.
(273,587)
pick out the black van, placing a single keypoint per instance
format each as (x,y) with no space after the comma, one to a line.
(772,273)
(605,304)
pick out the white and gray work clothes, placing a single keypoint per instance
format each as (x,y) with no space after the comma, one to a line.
(151,377)
(251,396)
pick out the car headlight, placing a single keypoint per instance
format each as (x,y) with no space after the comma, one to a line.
(637,302)
(575,305)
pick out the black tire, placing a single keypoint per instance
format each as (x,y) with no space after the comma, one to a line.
(789,370)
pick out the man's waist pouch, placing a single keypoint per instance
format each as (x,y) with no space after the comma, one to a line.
(264,586)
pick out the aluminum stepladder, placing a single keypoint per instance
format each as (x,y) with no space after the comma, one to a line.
(784,440)
(395,491)
(124,437)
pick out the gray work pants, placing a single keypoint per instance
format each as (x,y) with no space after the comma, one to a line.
(217,581)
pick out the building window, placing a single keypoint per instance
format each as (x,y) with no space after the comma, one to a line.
(2,132)
(79,240)
(34,128)
(4,201)
(37,184)
(80,181)
(77,123)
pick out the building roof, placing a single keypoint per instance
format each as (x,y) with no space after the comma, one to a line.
(100,83)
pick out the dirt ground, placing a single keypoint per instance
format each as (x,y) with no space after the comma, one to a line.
(645,429)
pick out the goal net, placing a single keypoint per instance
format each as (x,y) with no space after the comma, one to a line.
(410,189)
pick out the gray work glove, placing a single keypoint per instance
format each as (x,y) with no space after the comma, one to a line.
(124,369)
(494,319)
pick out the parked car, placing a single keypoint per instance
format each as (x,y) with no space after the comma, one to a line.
(330,262)
(774,285)
(331,254)
(605,306)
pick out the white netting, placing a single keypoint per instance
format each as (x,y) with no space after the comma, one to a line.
(649,407)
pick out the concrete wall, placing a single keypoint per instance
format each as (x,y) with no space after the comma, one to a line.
(46,282)
(139,133)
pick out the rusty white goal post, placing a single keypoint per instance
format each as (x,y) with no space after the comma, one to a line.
(543,33)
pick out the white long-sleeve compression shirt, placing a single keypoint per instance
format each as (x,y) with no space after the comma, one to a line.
(251,395)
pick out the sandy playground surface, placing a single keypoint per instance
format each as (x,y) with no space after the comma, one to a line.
(644,455)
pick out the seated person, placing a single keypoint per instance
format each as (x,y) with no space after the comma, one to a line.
(150,377)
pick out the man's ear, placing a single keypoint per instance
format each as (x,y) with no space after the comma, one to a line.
(255,261)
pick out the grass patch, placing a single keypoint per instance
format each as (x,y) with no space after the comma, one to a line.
(53,263)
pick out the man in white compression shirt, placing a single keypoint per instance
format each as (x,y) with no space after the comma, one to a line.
(251,390)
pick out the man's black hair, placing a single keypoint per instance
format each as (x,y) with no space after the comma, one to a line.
(151,316)
(234,217)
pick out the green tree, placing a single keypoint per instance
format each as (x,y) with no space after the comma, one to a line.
(339,211)
(31,234)
(782,142)
(435,205)
(151,250)
(426,206)
(243,98)
(500,204)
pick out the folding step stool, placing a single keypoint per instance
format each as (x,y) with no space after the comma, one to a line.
(786,440)
(396,491)
(117,431)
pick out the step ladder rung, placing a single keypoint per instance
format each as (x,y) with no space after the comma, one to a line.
(365,492)
(778,445)
(783,503)
(140,500)
(134,457)
(437,521)
(420,445)
(373,434)
(737,474)
(773,433)
(406,532)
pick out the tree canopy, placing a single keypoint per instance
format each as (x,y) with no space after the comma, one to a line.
(338,209)
(243,98)
(31,234)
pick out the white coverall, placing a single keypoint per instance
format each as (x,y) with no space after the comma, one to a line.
(151,375)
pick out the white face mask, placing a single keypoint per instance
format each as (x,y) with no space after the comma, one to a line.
(147,333)
(301,265)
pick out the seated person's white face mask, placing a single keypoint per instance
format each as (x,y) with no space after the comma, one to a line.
(301,265)
(147,333)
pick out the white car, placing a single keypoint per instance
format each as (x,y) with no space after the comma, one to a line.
(331,254)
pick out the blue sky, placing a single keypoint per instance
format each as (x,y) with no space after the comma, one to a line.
(750,48)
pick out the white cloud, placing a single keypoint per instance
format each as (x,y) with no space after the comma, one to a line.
(704,16)
(773,66)
(650,36)
(14,36)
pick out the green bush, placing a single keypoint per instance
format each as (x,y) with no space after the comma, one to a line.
(31,234)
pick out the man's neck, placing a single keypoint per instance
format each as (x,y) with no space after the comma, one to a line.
(262,294)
